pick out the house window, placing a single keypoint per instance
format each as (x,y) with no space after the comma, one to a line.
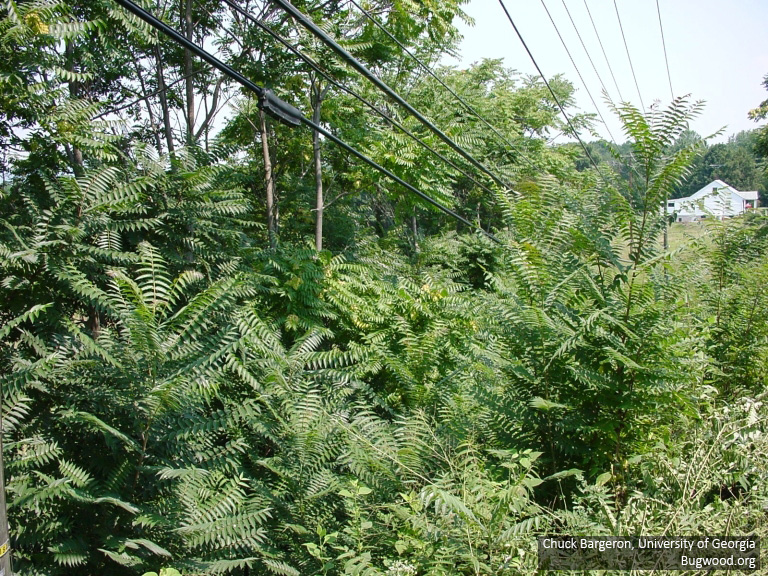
(670,204)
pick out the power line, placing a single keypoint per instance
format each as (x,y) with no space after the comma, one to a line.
(429,71)
(552,92)
(610,68)
(664,44)
(307,23)
(316,67)
(262,93)
(589,93)
(584,46)
(626,47)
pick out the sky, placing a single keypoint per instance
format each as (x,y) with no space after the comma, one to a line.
(717,52)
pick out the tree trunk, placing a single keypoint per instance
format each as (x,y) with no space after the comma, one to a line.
(318,95)
(144,93)
(94,323)
(164,101)
(210,112)
(666,222)
(270,184)
(190,86)
(74,93)
(5,550)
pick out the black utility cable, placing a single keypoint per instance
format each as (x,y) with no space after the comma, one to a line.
(307,22)
(610,68)
(263,93)
(586,87)
(664,44)
(429,71)
(626,47)
(316,67)
(552,92)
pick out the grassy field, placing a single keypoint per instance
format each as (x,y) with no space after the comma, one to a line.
(682,233)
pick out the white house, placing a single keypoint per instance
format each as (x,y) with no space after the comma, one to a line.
(716,200)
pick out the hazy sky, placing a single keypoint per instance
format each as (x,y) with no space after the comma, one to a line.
(717,49)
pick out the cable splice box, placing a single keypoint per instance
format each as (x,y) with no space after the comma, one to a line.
(280,110)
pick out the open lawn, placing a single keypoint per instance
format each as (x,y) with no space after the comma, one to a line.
(682,233)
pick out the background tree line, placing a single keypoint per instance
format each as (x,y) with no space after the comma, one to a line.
(740,162)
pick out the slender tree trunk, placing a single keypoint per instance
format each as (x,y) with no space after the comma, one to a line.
(190,86)
(164,101)
(78,161)
(210,112)
(74,93)
(144,93)
(270,184)
(94,323)
(5,544)
(204,127)
(318,96)
(415,230)
(380,219)
(666,222)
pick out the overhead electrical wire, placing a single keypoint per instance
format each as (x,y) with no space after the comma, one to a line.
(429,71)
(263,93)
(626,47)
(664,44)
(552,92)
(605,55)
(589,92)
(586,51)
(310,25)
(317,68)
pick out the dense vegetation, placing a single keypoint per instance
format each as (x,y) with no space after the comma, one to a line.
(198,372)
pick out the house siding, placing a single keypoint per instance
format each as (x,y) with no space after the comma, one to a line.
(715,200)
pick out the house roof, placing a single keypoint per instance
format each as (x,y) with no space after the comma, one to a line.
(719,184)
(751,195)
(707,190)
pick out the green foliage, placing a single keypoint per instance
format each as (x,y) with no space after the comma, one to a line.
(733,302)
(760,113)
(476,518)
(178,395)
(706,480)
